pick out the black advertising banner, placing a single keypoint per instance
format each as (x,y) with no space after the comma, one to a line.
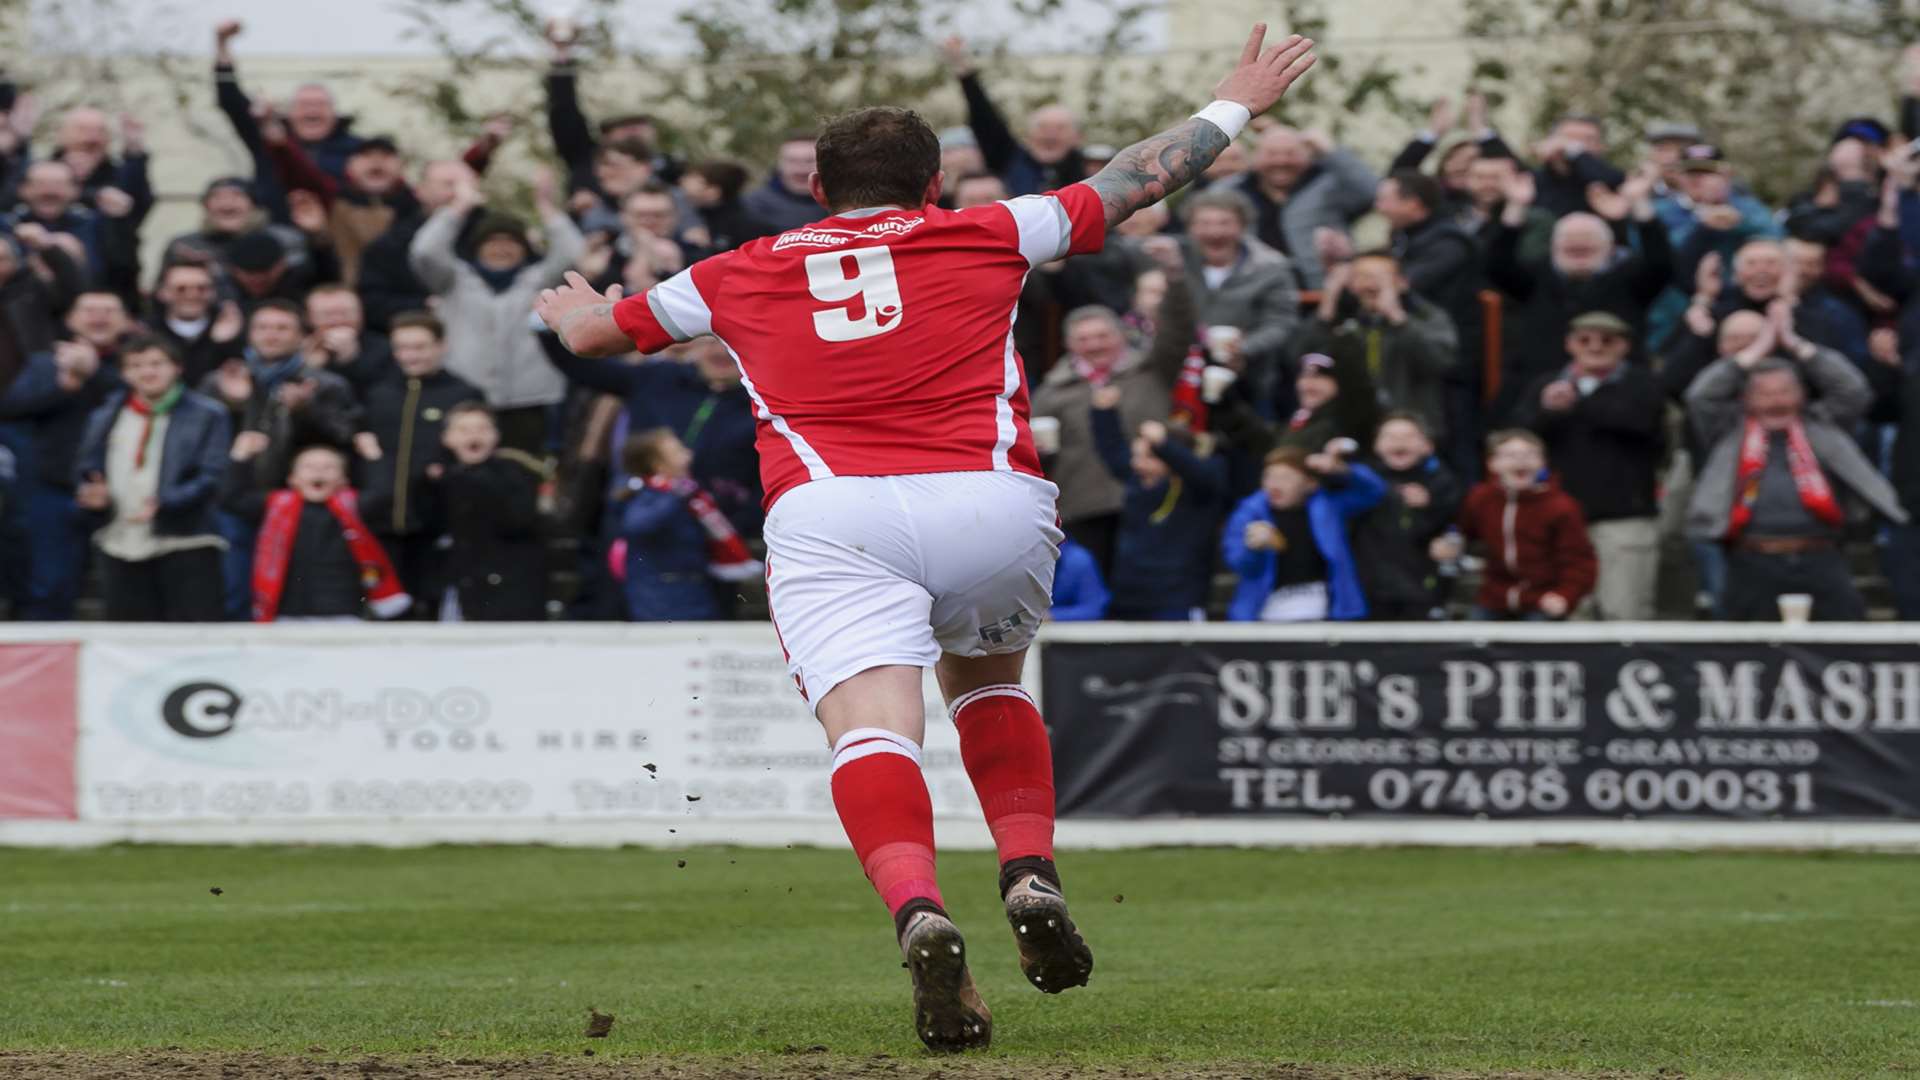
(1503,730)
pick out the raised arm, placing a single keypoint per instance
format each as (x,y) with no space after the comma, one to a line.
(1154,168)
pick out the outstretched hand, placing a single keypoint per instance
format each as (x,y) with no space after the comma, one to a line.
(581,316)
(1263,77)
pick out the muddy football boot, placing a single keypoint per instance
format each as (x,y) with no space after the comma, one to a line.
(1053,955)
(948,1014)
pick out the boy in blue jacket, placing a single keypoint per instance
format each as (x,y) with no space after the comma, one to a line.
(1078,593)
(1163,553)
(1288,542)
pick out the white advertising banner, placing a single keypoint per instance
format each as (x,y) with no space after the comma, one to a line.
(668,723)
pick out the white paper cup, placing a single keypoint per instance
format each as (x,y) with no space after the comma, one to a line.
(1214,381)
(1795,608)
(1046,434)
(1219,338)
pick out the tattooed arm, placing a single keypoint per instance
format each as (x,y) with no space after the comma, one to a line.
(1152,169)
(583,318)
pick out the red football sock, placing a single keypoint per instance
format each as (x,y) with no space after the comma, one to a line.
(884,806)
(1003,745)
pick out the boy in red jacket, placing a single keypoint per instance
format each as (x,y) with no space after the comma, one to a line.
(1539,562)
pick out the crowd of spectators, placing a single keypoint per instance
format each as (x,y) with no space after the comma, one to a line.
(1569,361)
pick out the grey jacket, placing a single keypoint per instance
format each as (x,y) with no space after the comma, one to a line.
(1715,410)
(1338,191)
(1145,378)
(1259,297)
(490,339)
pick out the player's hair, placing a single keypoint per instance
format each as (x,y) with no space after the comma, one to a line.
(145,343)
(1407,416)
(418,320)
(640,455)
(1219,199)
(277,304)
(472,408)
(729,176)
(1377,253)
(1418,186)
(878,156)
(1292,457)
(1506,435)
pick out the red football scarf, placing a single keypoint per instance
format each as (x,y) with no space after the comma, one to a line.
(150,410)
(727,556)
(1094,375)
(274,550)
(1815,493)
(1186,390)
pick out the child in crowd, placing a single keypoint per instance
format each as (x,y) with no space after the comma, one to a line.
(1540,564)
(674,539)
(496,568)
(1288,541)
(1163,553)
(1078,593)
(1391,544)
(314,558)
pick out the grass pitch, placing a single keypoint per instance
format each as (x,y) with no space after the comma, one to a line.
(781,963)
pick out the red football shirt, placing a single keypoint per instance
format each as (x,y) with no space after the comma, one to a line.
(878,342)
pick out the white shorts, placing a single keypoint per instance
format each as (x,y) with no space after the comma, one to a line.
(867,571)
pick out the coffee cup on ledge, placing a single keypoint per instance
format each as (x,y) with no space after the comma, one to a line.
(1214,380)
(1796,608)
(1046,434)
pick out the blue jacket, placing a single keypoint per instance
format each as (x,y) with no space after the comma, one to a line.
(666,560)
(717,426)
(44,424)
(193,461)
(1163,553)
(1078,593)
(1328,512)
(1691,243)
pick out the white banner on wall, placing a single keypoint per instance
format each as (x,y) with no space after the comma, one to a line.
(669,724)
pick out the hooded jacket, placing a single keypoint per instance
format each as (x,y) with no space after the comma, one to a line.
(490,338)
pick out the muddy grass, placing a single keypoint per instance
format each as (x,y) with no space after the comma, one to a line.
(802,1064)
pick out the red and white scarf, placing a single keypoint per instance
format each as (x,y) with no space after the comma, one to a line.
(1815,493)
(1186,390)
(1098,376)
(274,550)
(727,556)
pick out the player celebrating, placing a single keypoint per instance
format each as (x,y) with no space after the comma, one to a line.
(909,525)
